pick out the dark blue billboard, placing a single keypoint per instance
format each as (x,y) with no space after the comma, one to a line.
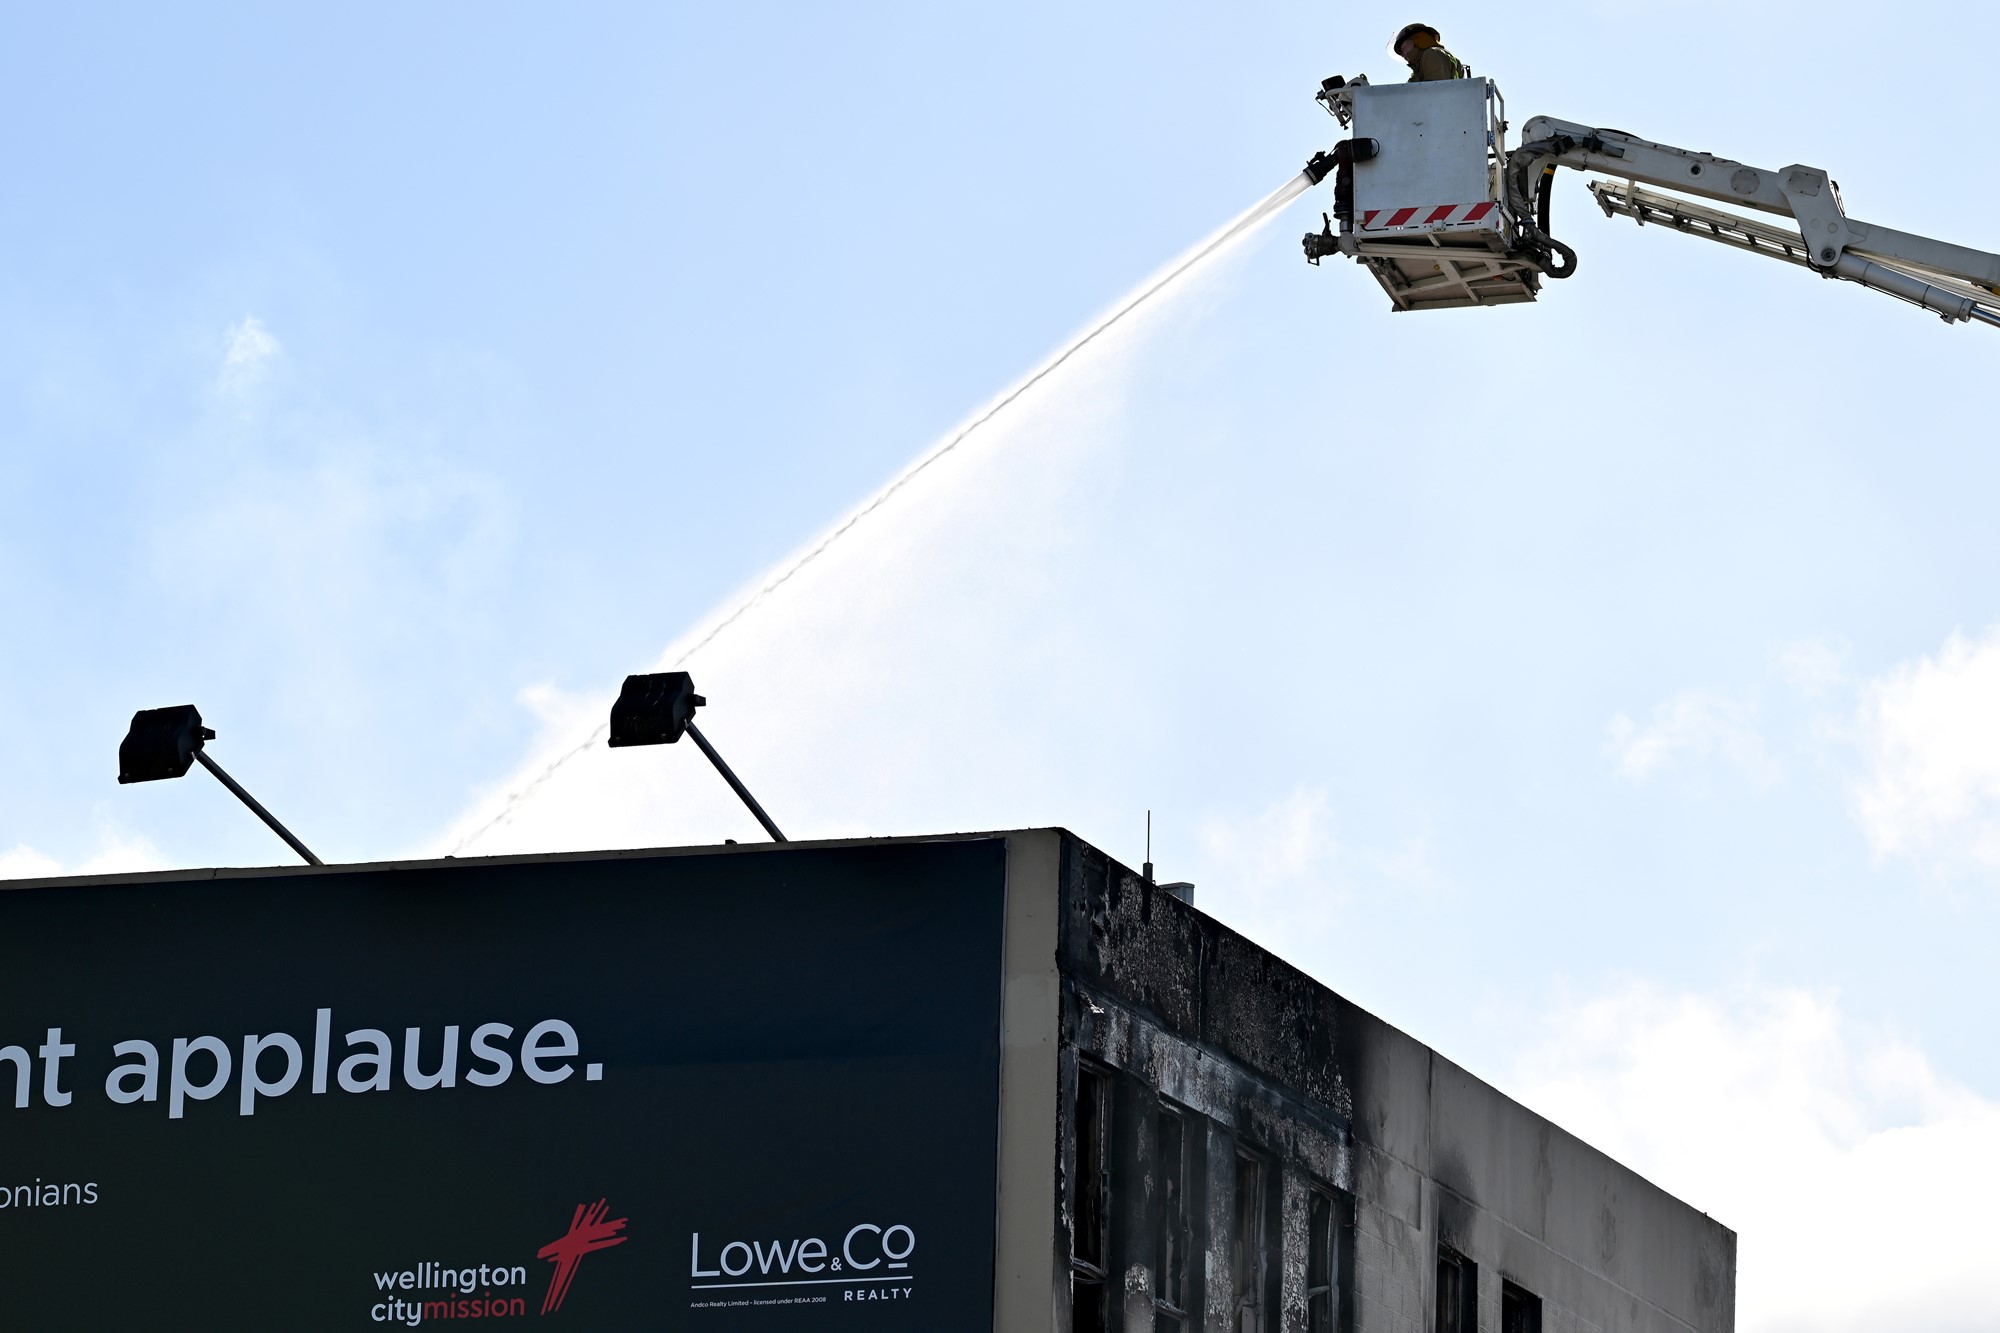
(744,1090)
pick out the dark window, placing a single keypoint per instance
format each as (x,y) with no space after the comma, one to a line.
(1090,1202)
(1520,1310)
(1170,1273)
(1328,1231)
(1252,1182)
(1457,1293)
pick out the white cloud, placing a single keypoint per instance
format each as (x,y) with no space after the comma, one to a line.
(115,854)
(1856,1178)
(243,362)
(1931,734)
(1926,732)
(1283,842)
(1697,724)
(1269,873)
(1815,666)
(24,862)
(563,712)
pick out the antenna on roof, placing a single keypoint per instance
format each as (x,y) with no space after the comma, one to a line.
(1148,871)
(163,742)
(656,709)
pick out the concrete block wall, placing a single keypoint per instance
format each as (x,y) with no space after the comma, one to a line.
(1391,1280)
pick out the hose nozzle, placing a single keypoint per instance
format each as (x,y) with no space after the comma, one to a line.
(1320,244)
(1348,151)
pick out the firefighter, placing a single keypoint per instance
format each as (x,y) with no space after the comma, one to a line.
(1417,46)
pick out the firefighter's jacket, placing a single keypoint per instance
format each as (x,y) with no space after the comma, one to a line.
(1433,63)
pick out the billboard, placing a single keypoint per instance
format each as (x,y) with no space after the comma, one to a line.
(747,1090)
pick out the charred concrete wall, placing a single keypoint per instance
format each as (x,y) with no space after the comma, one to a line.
(1241,1149)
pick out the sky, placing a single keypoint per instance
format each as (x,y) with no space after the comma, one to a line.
(1607,691)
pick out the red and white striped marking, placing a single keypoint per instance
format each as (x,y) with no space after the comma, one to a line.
(1441,215)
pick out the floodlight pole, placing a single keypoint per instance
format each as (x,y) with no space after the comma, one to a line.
(201,756)
(727,776)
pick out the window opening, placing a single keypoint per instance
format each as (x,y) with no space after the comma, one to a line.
(1520,1310)
(1090,1202)
(1457,1293)
(1327,1239)
(1251,1183)
(1170,1271)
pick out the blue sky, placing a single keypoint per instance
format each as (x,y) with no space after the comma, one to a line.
(1606,691)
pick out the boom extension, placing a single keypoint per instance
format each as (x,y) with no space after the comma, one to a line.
(1952,281)
(1934,292)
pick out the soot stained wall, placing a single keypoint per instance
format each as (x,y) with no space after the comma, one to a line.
(1182,1013)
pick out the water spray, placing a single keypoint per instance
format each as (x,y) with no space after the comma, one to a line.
(1242,226)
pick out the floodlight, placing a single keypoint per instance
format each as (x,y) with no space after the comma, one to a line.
(656,709)
(165,742)
(161,744)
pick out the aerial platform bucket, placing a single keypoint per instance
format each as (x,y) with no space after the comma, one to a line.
(1431,219)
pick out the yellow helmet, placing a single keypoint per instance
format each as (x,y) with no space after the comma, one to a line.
(1426,36)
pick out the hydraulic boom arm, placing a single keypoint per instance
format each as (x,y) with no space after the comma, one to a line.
(1953,281)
